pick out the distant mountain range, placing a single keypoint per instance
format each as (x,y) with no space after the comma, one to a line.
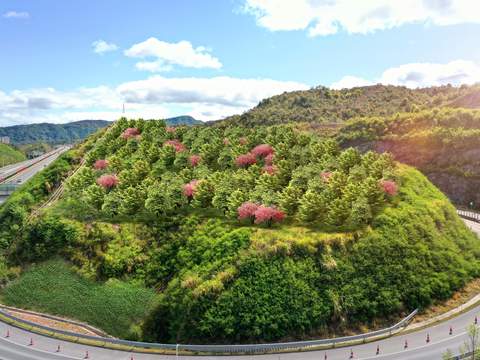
(69,132)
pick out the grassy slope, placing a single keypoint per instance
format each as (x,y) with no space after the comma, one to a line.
(9,155)
(53,287)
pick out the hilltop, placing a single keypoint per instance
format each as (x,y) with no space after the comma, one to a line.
(322,105)
(240,234)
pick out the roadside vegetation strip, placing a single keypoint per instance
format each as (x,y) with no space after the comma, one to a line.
(125,345)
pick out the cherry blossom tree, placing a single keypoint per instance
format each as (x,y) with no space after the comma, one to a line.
(269,159)
(270,169)
(389,187)
(226,141)
(243,141)
(100,164)
(177,145)
(108,181)
(268,214)
(170,129)
(326,175)
(194,160)
(245,160)
(190,188)
(247,211)
(130,133)
(262,150)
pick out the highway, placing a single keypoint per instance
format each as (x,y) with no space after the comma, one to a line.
(19,173)
(17,345)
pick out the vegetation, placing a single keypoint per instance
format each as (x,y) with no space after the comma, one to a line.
(54,288)
(52,133)
(10,155)
(322,105)
(247,234)
(442,143)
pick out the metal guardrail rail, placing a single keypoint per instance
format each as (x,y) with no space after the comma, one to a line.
(471,215)
(138,346)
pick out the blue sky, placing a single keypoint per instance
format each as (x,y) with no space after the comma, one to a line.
(69,60)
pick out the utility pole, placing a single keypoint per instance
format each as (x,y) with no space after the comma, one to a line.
(123,109)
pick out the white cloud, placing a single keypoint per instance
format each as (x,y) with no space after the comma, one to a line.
(16,15)
(101,46)
(417,75)
(349,81)
(155,97)
(326,17)
(165,55)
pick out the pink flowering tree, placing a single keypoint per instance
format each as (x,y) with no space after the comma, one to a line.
(108,181)
(262,150)
(270,169)
(130,133)
(194,160)
(326,175)
(245,160)
(269,159)
(268,215)
(100,164)
(243,141)
(190,188)
(389,187)
(226,141)
(177,145)
(170,129)
(247,211)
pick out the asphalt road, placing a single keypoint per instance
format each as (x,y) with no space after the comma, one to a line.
(23,176)
(16,346)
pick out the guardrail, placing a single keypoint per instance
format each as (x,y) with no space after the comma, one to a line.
(137,346)
(471,215)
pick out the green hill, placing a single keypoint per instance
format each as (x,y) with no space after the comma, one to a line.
(52,133)
(322,105)
(10,155)
(443,143)
(244,234)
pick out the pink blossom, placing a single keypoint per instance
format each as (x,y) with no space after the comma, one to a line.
(226,142)
(100,164)
(326,175)
(389,187)
(179,147)
(108,181)
(268,214)
(243,141)
(269,159)
(262,150)
(245,160)
(170,129)
(130,133)
(247,210)
(194,160)
(190,188)
(270,169)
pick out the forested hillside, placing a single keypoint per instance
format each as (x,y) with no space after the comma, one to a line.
(243,234)
(10,155)
(52,133)
(324,105)
(443,143)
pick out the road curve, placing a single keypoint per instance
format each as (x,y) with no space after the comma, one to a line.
(17,345)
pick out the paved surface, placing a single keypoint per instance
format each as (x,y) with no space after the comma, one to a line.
(23,176)
(16,346)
